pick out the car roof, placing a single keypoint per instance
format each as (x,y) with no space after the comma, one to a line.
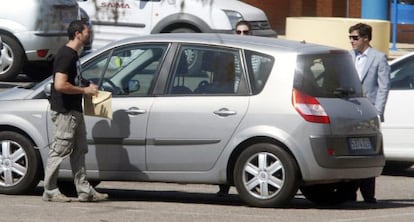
(396,60)
(264,44)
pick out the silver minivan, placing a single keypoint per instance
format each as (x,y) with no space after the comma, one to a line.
(266,115)
(32,31)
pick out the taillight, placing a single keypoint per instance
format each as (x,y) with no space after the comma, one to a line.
(309,107)
(42,52)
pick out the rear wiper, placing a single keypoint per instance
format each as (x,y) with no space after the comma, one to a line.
(342,92)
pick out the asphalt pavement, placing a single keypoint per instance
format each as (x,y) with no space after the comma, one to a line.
(153,202)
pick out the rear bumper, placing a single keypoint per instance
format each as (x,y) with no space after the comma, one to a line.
(334,152)
(324,175)
(265,33)
(32,41)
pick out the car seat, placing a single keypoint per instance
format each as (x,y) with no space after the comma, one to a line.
(179,77)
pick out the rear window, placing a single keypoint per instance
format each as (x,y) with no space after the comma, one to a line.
(57,15)
(327,75)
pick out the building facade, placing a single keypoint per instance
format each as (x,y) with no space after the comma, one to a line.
(278,10)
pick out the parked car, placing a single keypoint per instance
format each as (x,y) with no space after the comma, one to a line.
(118,19)
(267,115)
(398,128)
(32,31)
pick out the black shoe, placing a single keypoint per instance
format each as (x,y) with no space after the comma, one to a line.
(351,197)
(221,193)
(371,200)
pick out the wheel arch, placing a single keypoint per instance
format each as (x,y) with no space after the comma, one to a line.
(36,144)
(17,130)
(23,133)
(181,20)
(254,140)
(11,35)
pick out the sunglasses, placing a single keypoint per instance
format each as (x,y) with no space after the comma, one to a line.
(354,37)
(242,31)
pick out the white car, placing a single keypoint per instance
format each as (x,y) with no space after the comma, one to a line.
(398,128)
(31,32)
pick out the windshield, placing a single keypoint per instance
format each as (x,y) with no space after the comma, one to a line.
(327,75)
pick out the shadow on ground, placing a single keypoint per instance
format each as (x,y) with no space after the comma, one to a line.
(171,196)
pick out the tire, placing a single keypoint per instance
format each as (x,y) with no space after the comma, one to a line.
(183,30)
(38,71)
(397,166)
(12,59)
(265,175)
(20,164)
(331,194)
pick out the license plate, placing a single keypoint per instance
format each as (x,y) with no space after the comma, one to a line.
(359,144)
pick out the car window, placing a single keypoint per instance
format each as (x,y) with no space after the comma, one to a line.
(128,71)
(402,74)
(259,66)
(200,70)
(327,75)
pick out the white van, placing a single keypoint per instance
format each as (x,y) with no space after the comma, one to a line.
(116,19)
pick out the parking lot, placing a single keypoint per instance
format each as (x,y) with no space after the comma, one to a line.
(174,202)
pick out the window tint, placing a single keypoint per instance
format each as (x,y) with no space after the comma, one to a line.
(327,75)
(207,70)
(259,66)
(402,74)
(128,71)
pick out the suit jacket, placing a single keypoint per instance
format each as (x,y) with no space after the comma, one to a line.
(375,78)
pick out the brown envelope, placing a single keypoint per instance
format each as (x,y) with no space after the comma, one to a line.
(100,105)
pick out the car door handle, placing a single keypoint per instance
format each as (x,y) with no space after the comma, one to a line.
(225,112)
(135,111)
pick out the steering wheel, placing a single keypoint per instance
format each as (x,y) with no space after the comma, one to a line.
(108,85)
(203,83)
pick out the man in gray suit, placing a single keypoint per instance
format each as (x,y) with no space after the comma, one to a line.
(374,72)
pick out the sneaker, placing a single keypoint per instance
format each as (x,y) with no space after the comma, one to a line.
(56,198)
(83,197)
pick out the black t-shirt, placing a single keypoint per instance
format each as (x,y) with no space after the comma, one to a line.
(67,62)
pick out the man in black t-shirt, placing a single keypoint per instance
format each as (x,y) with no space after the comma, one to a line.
(67,115)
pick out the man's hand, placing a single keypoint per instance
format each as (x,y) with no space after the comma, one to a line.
(92,90)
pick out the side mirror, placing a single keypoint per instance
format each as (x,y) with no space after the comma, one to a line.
(133,85)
